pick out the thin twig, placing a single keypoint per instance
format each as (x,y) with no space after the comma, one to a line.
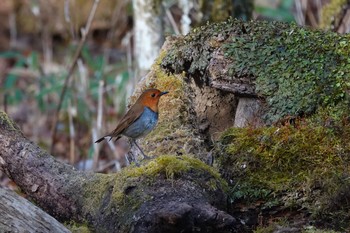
(97,128)
(71,133)
(114,22)
(95,146)
(300,15)
(127,42)
(116,155)
(172,21)
(84,33)
(98,124)
(113,163)
(13,29)
(44,13)
(5,101)
(344,20)
(100,106)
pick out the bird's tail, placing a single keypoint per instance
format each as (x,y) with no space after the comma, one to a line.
(100,140)
(110,136)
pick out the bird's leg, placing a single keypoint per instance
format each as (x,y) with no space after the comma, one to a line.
(132,158)
(144,155)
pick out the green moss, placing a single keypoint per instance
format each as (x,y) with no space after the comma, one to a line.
(275,227)
(267,229)
(124,193)
(281,157)
(306,166)
(296,69)
(174,166)
(77,227)
(192,53)
(7,123)
(169,166)
(315,230)
(94,190)
(173,123)
(109,194)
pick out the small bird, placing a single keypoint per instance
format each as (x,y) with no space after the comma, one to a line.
(141,118)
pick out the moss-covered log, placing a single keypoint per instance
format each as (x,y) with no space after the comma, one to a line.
(168,194)
(295,73)
(300,169)
(280,69)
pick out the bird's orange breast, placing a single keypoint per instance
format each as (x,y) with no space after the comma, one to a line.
(151,103)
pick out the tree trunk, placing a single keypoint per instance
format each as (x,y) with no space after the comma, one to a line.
(148,33)
(19,215)
(186,7)
(247,112)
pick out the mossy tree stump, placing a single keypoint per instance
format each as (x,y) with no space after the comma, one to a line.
(258,74)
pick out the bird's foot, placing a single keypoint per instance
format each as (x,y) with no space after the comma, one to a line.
(131,158)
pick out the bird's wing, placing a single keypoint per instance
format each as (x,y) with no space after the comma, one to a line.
(131,116)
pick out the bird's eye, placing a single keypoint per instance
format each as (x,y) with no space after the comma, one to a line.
(153,95)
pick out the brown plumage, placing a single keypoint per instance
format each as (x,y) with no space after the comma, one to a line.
(141,118)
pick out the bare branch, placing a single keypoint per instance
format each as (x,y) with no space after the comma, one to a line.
(85,32)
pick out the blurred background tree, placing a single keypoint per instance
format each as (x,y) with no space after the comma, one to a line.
(38,39)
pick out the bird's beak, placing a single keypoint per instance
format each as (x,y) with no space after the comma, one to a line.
(163,93)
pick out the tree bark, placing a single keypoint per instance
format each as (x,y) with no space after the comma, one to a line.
(169,194)
(247,112)
(148,33)
(186,7)
(19,215)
